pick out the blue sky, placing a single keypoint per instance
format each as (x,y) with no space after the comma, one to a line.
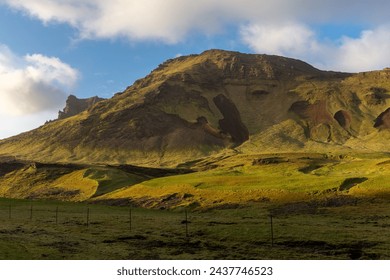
(52,48)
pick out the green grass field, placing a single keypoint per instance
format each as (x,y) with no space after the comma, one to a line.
(278,178)
(322,206)
(341,228)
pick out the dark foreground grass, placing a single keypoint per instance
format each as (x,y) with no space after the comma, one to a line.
(310,230)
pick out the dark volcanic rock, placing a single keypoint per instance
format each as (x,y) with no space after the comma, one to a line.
(344,119)
(383,120)
(231,123)
(75,106)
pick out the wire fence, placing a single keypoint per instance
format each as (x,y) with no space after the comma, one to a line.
(184,222)
(341,233)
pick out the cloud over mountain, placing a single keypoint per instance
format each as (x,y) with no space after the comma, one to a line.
(33,83)
(279,26)
(368,51)
(31,87)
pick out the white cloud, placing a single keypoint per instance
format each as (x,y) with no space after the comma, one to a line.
(368,52)
(50,70)
(31,87)
(167,20)
(172,20)
(277,26)
(33,83)
(293,39)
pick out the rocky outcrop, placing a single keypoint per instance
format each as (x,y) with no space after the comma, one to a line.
(316,113)
(231,123)
(383,120)
(377,96)
(344,119)
(75,106)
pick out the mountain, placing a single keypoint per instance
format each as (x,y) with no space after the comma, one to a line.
(75,106)
(197,105)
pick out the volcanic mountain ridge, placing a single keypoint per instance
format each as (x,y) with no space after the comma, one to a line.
(193,106)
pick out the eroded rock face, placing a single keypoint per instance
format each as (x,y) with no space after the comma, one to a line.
(231,122)
(316,113)
(320,124)
(377,96)
(75,106)
(383,120)
(344,119)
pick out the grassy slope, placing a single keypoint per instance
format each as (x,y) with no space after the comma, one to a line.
(226,179)
(313,217)
(77,183)
(294,178)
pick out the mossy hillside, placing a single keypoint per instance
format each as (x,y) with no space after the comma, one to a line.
(66,182)
(281,103)
(281,178)
(230,178)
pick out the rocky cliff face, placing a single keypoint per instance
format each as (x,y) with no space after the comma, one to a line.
(75,106)
(193,106)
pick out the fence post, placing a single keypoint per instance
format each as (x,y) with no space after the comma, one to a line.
(272,231)
(88,217)
(56,215)
(186,222)
(31,212)
(130,218)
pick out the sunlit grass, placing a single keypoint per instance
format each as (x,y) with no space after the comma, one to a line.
(276,182)
(59,230)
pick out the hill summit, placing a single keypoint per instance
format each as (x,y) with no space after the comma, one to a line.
(193,106)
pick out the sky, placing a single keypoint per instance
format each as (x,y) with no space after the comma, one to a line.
(50,49)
